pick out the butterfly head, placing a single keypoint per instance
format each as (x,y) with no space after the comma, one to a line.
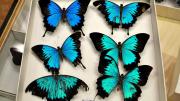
(121,5)
(64,14)
(60,53)
(121,78)
(119,45)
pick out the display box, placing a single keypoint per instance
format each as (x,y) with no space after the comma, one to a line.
(9,11)
(168,9)
(32,68)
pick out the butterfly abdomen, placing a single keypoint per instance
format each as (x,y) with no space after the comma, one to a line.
(64,15)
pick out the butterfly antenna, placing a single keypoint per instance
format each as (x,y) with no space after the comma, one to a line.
(44,33)
(82,32)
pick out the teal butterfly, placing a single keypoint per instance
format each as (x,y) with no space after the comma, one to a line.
(128,51)
(129,83)
(56,88)
(124,16)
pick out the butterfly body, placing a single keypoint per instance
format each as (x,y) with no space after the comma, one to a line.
(60,53)
(64,15)
(120,15)
(121,11)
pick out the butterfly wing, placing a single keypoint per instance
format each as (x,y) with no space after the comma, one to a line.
(131,12)
(59,88)
(105,44)
(110,76)
(52,14)
(16,56)
(49,55)
(110,10)
(135,78)
(71,49)
(131,48)
(75,14)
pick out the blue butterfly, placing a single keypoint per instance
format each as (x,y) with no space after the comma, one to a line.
(53,14)
(69,50)
(128,51)
(117,15)
(128,83)
(56,88)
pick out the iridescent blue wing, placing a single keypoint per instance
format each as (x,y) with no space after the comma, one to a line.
(131,12)
(71,49)
(132,80)
(131,48)
(56,88)
(52,14)
(75,14)
(105,45)
(110,10)
(110,76)
(49,55)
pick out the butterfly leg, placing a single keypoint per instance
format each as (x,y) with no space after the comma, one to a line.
(82,32)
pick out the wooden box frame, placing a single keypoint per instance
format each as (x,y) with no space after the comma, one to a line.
(11,17)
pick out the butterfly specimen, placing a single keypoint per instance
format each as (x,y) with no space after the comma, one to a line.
(16,56)
(53,14)
(178,2)
(128,51)
(69,50)
(56,88)
(129,83)
(117,15)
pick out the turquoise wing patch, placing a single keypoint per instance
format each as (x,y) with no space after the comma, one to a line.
(105,44)
(131,12)
(131,48)
(132,80)
(110,76)
(49,55)
(71,49)
(110,10)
